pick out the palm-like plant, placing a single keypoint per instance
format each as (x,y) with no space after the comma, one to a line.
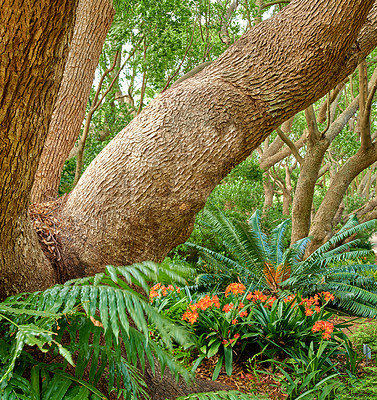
(107,323)
(261,262)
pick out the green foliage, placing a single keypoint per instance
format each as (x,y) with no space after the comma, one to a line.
(101,320)
(348,280)
(249,249)
(365,388)
(366,333)
(310,373)
(263,263)
(231,395)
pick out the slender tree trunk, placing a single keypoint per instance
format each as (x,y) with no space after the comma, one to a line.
(93,20)
(139,197)
(318,144)
(303,197)
(33,52)
(322,225)
(268,190)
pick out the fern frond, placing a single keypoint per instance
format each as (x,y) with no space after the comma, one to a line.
(276,242)
(221,395)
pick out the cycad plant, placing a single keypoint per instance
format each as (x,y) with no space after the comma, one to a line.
(103,325)
(262,263)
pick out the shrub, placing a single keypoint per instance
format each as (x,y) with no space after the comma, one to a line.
(262,263)
(238,319)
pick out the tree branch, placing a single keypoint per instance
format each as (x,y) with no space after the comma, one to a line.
(290,144)
(273,3)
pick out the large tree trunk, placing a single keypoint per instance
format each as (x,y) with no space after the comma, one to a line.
(139,197)
(33,50)
(93,20)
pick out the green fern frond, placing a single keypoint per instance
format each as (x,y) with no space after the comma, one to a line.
(221,395)
(276,242)
(262,240)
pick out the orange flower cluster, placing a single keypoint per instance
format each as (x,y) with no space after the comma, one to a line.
(325,326)
(312,304)
(259,296)
(235,288)
(192,314)
(164,290)
(228,307)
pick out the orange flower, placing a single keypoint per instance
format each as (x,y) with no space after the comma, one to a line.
(235,288)
(289,298)
(224,342)
(328,296)
(309,312)
(216,301)
(156,286)
(234,321)
(325,326)
(243,314)
(257,295)
(204,303)
(190,316)
(152,295)
(237,335)
(228,307)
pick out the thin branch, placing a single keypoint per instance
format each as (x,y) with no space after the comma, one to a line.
(290,144)
(323,133)
(183,59)
(273,3)
(116,76)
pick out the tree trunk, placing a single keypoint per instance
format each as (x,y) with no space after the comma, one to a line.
(138,199)
(33,51)
(93,20)
(268,191)
(322,225)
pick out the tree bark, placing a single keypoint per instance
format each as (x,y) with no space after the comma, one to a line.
(310,171)
(33,50)
(323,222)
(93,20)
(138,199)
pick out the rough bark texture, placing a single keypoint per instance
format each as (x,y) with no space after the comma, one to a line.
(33,50)
(139,197)
(93,20)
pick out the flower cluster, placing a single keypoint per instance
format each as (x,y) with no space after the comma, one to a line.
(192,314)
(312,304)
(325,326)
(259,296)
(160,290)
(235,288)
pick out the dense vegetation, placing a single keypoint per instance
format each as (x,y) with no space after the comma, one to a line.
(263,288)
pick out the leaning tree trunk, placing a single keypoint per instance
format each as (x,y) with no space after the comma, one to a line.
(93,20)
(139,197)
(33,50)
(322,225)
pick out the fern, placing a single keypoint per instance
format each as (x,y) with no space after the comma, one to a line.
(260,262)
(102,315)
